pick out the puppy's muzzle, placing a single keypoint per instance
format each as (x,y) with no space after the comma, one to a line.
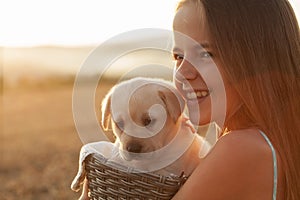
(134,147)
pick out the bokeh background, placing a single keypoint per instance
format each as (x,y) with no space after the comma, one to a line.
(43,45)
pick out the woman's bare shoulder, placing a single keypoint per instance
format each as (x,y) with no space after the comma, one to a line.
(237,167)
(248,141)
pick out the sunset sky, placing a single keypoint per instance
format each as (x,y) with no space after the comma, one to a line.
(74,22)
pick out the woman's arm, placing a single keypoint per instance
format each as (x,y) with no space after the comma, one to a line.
(238,167)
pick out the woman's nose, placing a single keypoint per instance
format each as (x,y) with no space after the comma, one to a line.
(185,71)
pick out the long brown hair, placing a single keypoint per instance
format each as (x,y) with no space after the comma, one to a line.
(259,43)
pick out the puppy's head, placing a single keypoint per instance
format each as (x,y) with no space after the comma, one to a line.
(143,114)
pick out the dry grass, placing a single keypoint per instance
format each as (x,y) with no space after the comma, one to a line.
(39,143)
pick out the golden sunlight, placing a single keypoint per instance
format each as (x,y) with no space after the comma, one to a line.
(66,22)
(57,22)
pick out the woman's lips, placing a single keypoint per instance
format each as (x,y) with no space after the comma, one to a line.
(195,98)
(197,94)
(193,94)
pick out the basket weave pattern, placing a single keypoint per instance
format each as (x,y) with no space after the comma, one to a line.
(106,182)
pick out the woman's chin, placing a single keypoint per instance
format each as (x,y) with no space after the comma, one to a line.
(199,119)
(199,114)
(199,110)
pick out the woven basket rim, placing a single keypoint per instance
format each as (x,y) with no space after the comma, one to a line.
(107,181)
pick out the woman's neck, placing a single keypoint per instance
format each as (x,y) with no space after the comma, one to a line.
(241,119)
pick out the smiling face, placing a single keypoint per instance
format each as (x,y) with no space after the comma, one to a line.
(198,76)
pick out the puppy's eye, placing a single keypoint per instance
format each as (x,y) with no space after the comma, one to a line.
(120,124)
(147,121)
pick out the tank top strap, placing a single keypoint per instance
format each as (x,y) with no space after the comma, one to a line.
(274,165)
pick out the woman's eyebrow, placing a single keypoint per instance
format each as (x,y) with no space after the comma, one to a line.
(199,46)
(176,49)
(203,45)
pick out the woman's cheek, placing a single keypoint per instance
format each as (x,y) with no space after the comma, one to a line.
(178,87)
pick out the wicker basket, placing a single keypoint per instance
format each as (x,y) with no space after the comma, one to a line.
(106,182)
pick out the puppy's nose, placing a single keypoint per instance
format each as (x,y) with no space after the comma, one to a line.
(134,147)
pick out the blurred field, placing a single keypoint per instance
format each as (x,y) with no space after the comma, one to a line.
(39,143)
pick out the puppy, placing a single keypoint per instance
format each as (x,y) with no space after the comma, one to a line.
(152,133)
(145,115)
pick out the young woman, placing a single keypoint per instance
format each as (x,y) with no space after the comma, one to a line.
(255,45)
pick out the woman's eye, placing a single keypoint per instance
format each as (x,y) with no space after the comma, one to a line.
(178,56)
(120,124)
(206,54)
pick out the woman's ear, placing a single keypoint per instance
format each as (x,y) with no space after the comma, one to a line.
(174,103)
(106,112)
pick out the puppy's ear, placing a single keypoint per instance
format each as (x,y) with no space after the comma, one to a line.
(174,103)
(106,113)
